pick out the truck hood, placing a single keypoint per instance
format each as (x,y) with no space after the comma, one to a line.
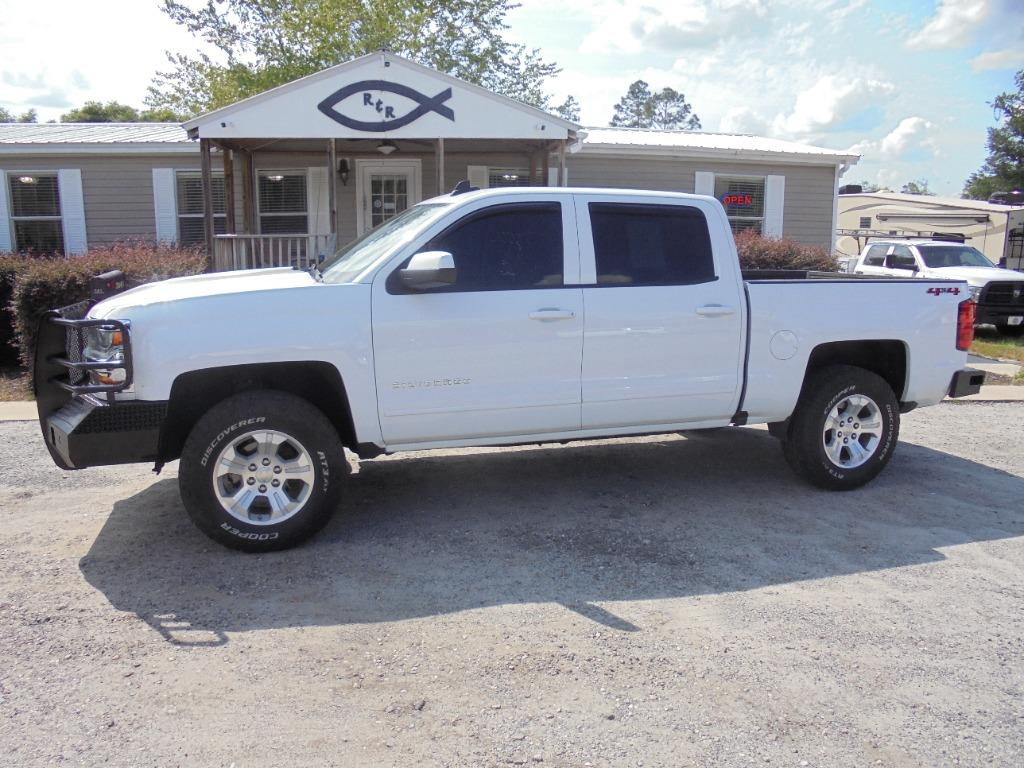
(216,284)
(975,276)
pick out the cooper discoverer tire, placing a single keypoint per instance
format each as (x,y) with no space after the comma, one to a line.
(844,429)
(261,471)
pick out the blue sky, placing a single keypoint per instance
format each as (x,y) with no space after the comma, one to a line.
(907,84)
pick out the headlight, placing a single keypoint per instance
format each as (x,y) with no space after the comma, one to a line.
(975,291)
(104,345)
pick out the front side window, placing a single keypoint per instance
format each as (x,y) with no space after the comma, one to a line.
(35,212)
(505,248)
(637,244)
(940,256)
(743,200)
(190,207)
(902,258)
(282,202)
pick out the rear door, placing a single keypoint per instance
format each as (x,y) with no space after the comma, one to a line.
(499,352)
(664,313)
(901,262)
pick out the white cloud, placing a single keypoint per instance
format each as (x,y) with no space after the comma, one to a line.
(743,120)
(912,136)
(953,24)
(669,25)
(829,102)
(1008,59)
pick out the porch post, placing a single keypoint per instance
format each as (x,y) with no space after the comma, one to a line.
(229,189)
(207,173)
(332,182)
(439,161)
(247,193)
(562,180)
(545,172)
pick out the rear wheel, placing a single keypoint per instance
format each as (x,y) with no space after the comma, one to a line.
(261,471)
(844,428)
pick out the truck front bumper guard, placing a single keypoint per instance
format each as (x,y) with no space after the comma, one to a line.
(82,424)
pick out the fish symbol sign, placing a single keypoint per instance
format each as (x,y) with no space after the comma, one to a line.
(371,103)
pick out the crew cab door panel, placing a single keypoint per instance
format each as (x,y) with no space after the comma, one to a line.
(664,313)
(499,352)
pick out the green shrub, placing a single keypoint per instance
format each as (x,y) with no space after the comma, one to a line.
(44,284)
(758,252)
(10,266)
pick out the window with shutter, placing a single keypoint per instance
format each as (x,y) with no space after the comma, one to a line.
(35,212)
(190,207)
(283,204)
(743,199)
(865,222)
(508,177)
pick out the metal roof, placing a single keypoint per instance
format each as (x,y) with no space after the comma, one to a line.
(652,141)
(91,133)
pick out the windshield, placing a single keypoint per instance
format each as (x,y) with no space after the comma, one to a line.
(939,256)
(354,258)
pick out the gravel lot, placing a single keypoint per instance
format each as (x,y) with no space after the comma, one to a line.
(644,602)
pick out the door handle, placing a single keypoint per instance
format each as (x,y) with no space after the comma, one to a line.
(715,310)
(545,315)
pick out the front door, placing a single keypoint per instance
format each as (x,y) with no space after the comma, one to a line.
(496,354)
(386,188)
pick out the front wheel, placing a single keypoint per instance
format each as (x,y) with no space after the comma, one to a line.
(844,428)
(261,471)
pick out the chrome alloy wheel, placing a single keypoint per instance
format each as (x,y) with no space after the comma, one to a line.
(263,477)
(853,431)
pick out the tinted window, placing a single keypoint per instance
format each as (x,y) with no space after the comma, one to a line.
(507,247)
(902,258)
(876,256)
(939,256)
(650,244)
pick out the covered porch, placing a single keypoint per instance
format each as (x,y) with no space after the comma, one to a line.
(290,175)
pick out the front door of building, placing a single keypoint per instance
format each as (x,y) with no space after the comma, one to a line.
(385,189)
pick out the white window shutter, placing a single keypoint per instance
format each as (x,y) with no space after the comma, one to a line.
(704,183)
(774,202)
(165,203)
(72,211)
(6,240)
(479,176)
(318,198)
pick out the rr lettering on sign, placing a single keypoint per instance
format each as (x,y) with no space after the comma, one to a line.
(371,105)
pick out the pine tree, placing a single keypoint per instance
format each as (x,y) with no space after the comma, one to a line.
(569,109)
(634,109)
(1003,171)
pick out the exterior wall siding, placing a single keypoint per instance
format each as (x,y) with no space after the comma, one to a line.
(807,212)
(117,190)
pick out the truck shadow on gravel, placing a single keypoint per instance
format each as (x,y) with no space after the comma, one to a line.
(429,535)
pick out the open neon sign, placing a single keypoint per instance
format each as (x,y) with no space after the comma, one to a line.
(737,199)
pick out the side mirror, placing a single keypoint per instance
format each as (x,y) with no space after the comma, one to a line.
(427,270)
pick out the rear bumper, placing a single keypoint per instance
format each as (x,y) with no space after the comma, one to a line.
(997,314)
(88,433)
(966,382)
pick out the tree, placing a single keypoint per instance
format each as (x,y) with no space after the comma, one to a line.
(669,109)
(867,186)
(666,109)
(28,116)
(265,43)
(919,187)
(569,109)
(115,112)
(634,109)
(1004,168)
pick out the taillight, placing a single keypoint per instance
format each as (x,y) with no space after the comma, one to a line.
(965,324)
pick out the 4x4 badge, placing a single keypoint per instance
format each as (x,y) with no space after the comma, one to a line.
(371,104)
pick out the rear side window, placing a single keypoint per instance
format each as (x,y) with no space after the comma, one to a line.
(876,256)
(506,247)
(902,258)
(637,244)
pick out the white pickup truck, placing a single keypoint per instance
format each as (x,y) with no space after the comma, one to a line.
(998,293)
(490,317)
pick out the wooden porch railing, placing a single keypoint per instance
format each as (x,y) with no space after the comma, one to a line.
(261,251)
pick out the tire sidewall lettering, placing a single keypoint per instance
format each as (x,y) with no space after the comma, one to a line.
(226,432)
